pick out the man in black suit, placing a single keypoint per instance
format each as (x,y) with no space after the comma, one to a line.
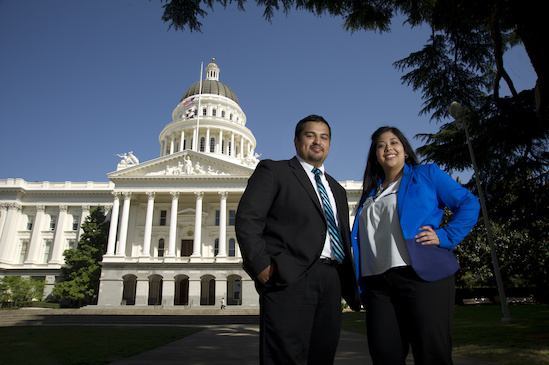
(287,244)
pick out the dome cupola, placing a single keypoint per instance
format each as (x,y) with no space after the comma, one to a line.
(209,119)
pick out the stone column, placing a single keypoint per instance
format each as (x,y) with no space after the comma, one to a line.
(222,224)
(113,224)
(83,215)
(37,227)
(220,142)
(172,145)
(173,224)
(3,214)
(198,224)
(168,291)
(195,139)
(146,250)
(10,214)
(182,141)
(241,147)
(232,145)
(142,292)
(58,241)
(207,146)
(121,249)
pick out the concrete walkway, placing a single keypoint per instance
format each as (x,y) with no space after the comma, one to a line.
(238,345)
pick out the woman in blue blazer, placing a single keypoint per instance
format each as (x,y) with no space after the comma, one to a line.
(403,257)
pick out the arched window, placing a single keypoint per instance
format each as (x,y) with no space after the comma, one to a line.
(207,290)
(181,290)
(161,244)
(204,112)
(155,290)
(129,289)
(234,290)
(223,114)
(202,144)
(212,144)
(214,112)
(216,248)
(232,247)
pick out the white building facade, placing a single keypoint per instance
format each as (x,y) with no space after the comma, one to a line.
(172,242)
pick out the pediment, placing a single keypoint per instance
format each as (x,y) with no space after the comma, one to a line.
(186,164)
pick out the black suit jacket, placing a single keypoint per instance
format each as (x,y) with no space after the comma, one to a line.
(280,220)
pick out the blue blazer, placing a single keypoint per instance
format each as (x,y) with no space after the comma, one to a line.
(424,192)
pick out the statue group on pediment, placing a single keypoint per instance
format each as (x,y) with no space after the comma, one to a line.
(128,159)
(186,167)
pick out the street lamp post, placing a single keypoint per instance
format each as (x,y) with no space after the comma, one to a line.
(459,113)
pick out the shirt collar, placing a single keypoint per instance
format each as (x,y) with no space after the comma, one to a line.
(307,166)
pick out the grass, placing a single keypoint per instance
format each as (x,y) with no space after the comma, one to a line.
(479,333)
(82,345)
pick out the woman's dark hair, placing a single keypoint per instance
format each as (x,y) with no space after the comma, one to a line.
(374,171)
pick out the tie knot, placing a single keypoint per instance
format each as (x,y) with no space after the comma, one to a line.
(317,172)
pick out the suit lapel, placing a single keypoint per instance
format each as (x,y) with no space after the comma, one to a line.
(304,180)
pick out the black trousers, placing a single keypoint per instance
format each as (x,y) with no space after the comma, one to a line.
(300,323)
(403,310)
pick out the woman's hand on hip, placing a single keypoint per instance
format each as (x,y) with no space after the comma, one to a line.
(427,236)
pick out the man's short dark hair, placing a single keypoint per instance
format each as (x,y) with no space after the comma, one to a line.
(311,118)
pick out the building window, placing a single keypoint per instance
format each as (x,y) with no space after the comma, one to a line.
(231,117)
(229,149)
(223,114)
(30,221)
(234,290)
(232,247)
(163,215)
(53,220)
(212,144)
(202,144)
(71,244)
(184,144)
(232,215)
(24,251)
(217,217)
(161,243)
(75,222)
(186,248)
(222,146)
(47,251)
(204,112)
(214,112)
(216,247)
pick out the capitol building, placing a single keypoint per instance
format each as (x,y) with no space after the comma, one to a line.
(172,242)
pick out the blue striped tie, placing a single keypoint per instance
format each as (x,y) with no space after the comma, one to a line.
(335,239)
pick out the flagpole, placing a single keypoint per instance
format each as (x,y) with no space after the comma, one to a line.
(196,142)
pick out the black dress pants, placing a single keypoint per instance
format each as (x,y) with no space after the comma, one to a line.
(300,323)
(403,310)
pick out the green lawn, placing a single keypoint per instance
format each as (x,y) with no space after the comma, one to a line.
(479,333)
(82,345)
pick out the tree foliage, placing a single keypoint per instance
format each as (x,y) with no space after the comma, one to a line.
(502,23)
(81,274)
(17,289)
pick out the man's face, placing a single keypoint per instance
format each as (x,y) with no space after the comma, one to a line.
(313,144)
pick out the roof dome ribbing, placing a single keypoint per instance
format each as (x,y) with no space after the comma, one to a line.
(211,85)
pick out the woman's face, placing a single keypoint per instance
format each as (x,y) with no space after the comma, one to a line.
(390,152)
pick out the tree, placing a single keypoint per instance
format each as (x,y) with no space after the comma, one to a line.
(503,22)
(82,271)
(17,289)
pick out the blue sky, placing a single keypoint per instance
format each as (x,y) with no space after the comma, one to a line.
(82,81)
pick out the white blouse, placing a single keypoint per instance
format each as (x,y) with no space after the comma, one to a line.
(382,245)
